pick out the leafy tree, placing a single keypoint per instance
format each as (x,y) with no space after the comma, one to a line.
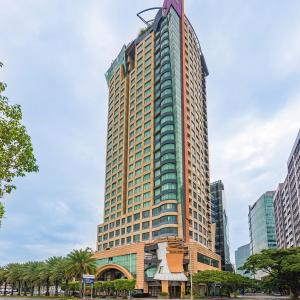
(281,265)
(124,286)
(4,278)
(81,262)
(227,281)
(16,152)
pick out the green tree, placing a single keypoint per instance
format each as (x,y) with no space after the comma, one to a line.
(4,278)
(227,281)
(14,276)
(81,262)
(124,286)
(281,265)
(16,152)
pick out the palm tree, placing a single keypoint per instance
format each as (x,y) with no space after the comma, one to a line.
(81,262)
(57,271)
(44,271)
(14,276)
(3,278)
(31,274)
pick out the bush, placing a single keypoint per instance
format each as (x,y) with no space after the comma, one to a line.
(164,295)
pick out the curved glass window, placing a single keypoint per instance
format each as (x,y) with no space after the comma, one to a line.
(164,59)
(168,137)
(166,92)
(165,67)
(167,118)
(165,35)
(165,232)
(164,208)
(167,128)
(165,75)
(168,186)
(168,156)
(164,220)
(168,100)
(163,52)
(166,83)
(167,109)
(169,196)
(167,147)
(168,166)
(164,43)
(168,176)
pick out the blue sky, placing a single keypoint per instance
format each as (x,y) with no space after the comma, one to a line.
(56,53)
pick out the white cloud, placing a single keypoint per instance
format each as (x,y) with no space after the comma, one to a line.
(252,159)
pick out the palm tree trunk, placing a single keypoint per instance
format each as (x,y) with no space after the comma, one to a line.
(66,289)
(56,288)
(39,289)
(47,287)
(80,288)
(25,288)
(5,287)
(32,290)
(12,289)
(19,288)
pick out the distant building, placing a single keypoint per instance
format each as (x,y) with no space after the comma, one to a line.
(219,217)
(287,202)
(241,255)
(262,225)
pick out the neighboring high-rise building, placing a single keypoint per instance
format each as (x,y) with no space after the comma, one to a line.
(219,217)
(157,214)
(262,226)
(287,202)
(241,255)
(262,223)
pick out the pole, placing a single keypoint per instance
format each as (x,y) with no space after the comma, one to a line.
(130,272)
(191,274)
(83,289)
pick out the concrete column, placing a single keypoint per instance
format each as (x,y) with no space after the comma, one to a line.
(182,290)
(146,289)
(165,286)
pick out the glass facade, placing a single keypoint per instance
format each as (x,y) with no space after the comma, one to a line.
(219,217)
(262,223)
(126,261)
(241,256)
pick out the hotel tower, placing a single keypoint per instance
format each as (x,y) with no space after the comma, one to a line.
(157,208)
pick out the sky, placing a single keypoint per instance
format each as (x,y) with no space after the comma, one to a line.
(55,54)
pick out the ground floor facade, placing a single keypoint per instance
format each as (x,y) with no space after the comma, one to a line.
(162,266)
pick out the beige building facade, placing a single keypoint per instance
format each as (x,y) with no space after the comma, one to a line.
(157,191)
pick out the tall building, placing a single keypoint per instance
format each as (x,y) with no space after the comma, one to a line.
(262,223)
(262,226)
(219,217)
(241,255)
(287,202)
(157,214)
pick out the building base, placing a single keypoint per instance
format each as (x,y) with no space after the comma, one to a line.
(162,266)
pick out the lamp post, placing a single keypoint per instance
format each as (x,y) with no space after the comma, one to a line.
(191,273)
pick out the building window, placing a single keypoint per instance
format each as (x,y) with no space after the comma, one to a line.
(207,260)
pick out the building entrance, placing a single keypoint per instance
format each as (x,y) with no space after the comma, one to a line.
(174,289)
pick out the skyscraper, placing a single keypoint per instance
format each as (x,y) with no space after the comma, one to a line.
(157,199)
(241,255)
(219,217)
(262,223)
(262,226)
(287,202)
